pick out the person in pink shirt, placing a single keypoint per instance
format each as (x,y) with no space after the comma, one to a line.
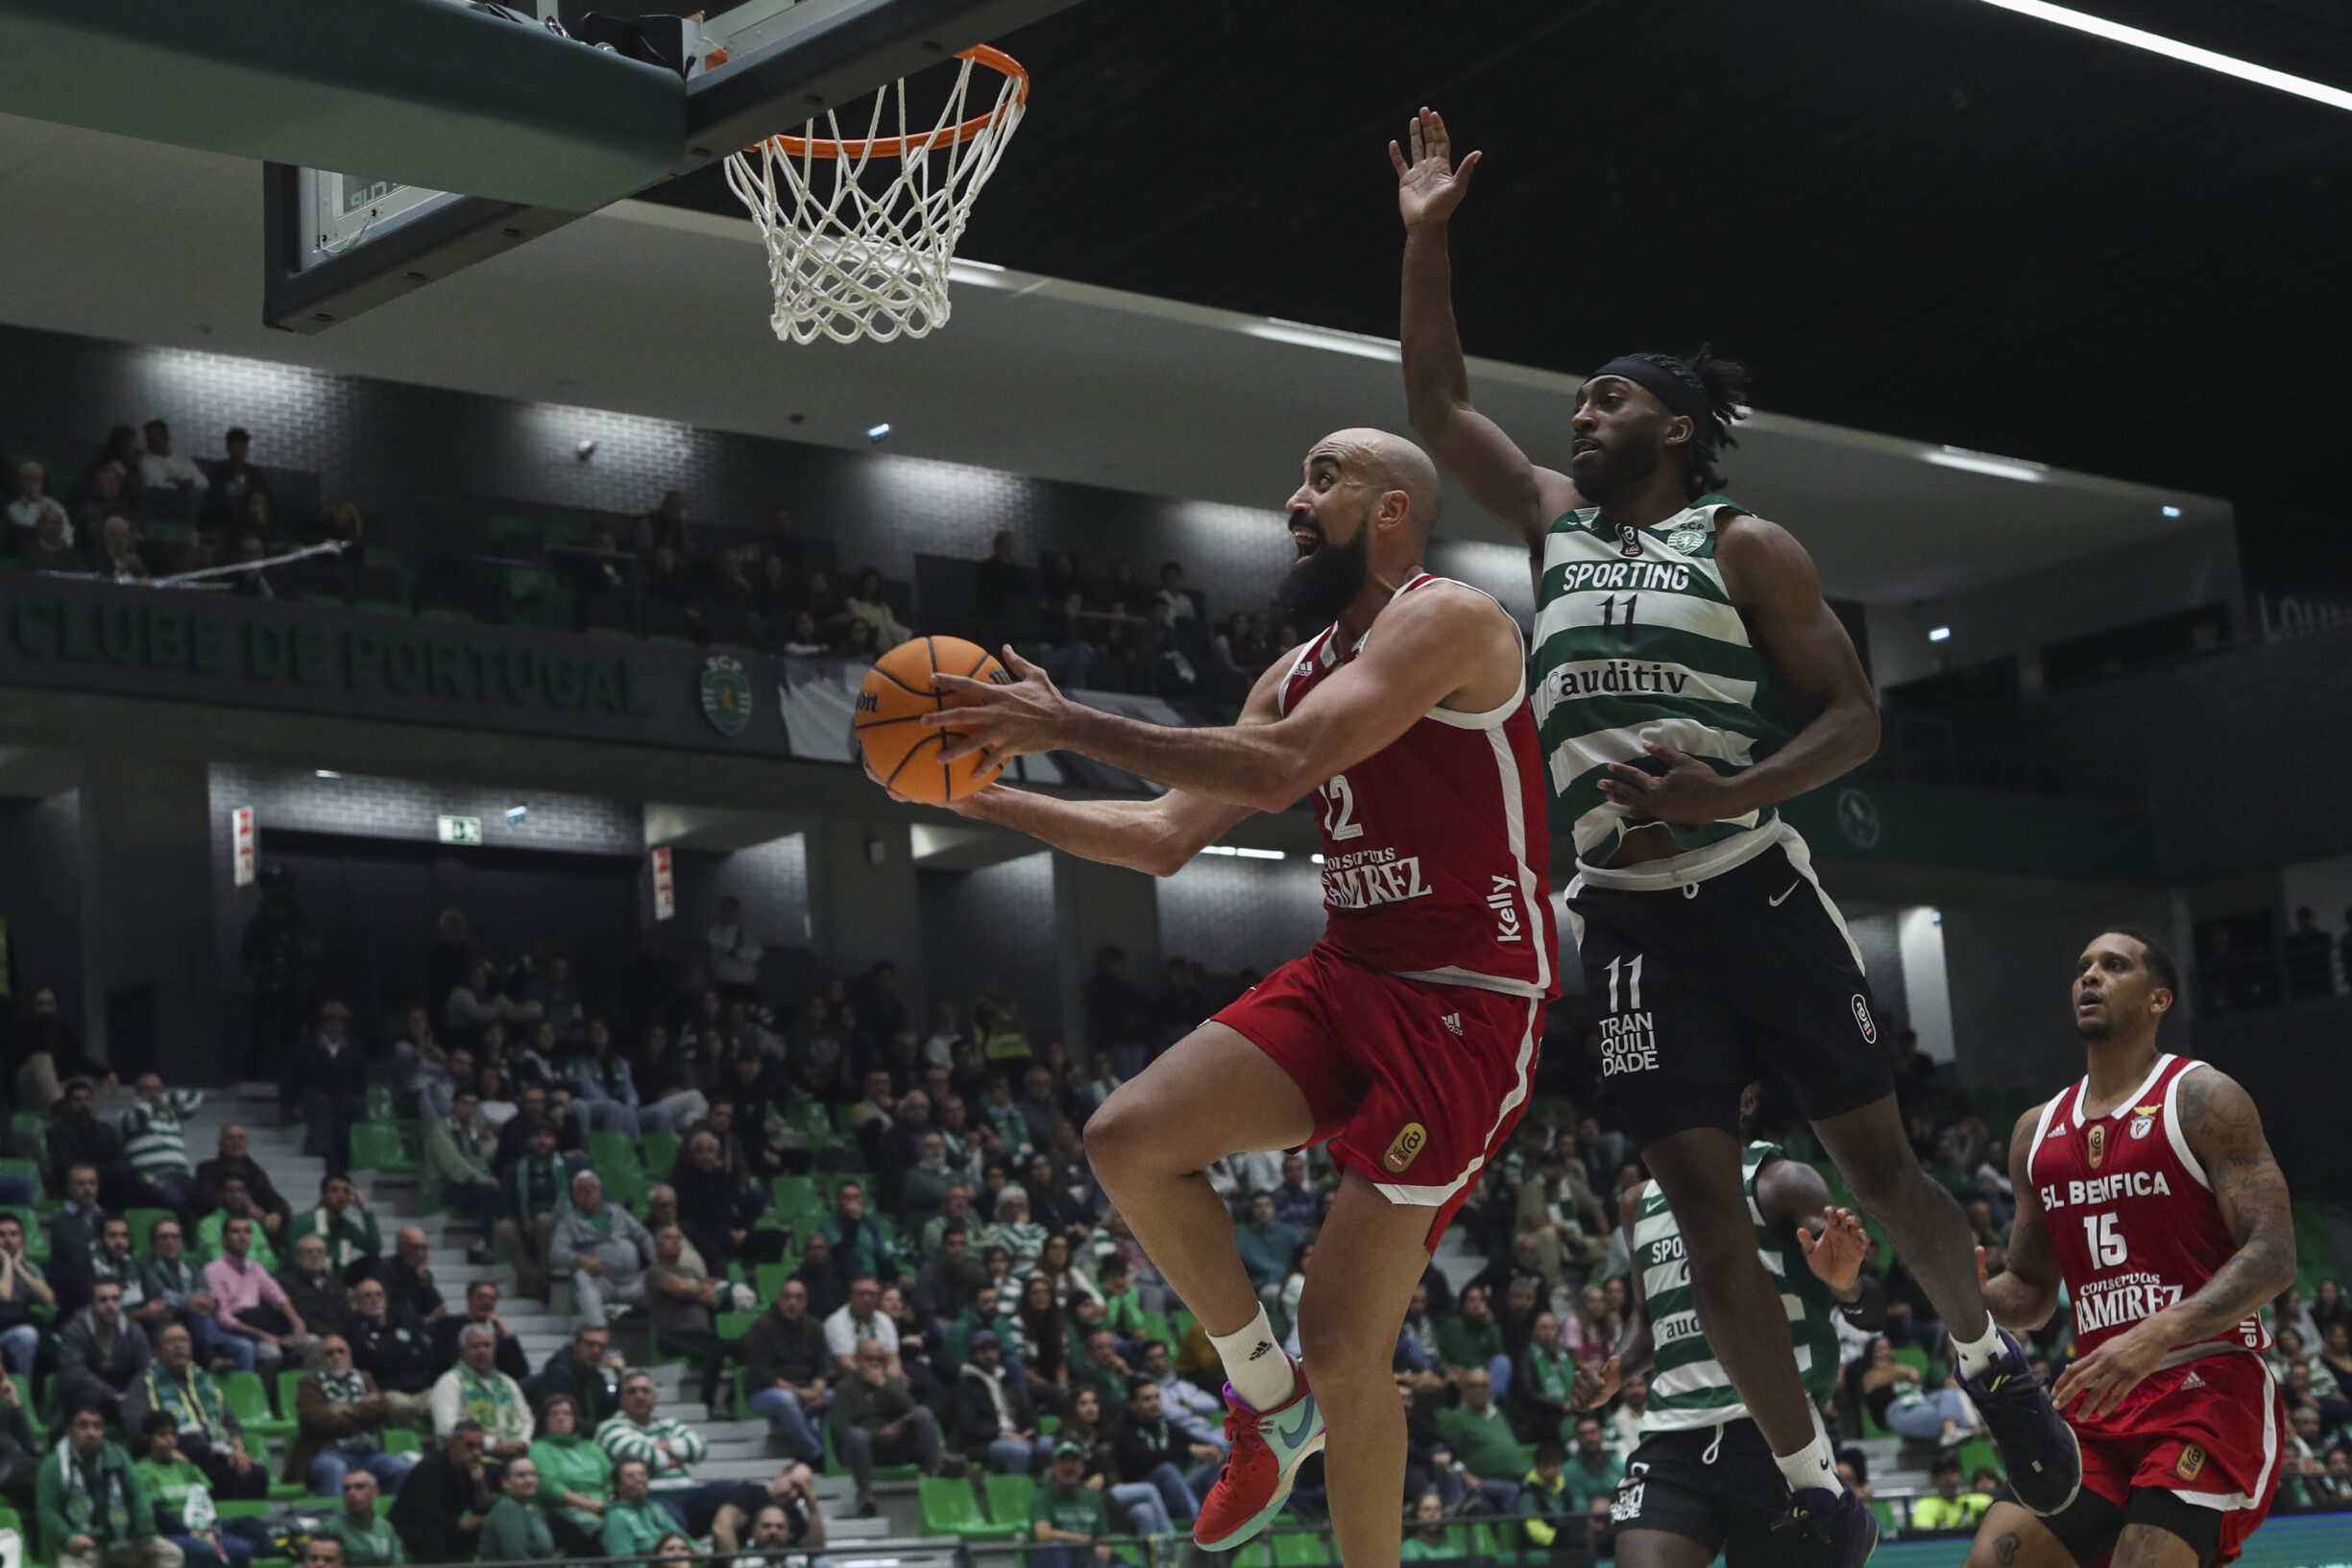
(251,1306)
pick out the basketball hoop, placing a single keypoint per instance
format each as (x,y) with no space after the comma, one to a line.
(847,261)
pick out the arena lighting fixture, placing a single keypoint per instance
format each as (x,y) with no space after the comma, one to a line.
(1999,467)
(1362,345)
(1317,858)
(878,434)
(515,815)
(2172,510)
(327,773)
(1939,634)
(1261,854)
(2172,49)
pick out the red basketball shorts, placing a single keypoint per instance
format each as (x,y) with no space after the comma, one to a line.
(1414,1087)
(2213,1432)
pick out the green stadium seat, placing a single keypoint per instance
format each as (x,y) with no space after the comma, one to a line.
(734,1325)
(401,1440)
(614,1158)
(375,1145)
(1256,1555)
(660,1154)
(248,1401)
(1305,1548)
(282,1492)
(949,1507)
(768,1278)
(31,1122)
(380,1103)
(242,1507)
(1009,1498)
(1979,1452)
(796,1196)
(289,1384)
(1156,1326)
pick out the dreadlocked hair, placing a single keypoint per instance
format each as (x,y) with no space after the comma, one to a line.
(1726,382)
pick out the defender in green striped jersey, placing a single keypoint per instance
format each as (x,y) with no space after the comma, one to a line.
(1703,1479)
(1688,677)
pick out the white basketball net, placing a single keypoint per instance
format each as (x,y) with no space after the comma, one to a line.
(856,249)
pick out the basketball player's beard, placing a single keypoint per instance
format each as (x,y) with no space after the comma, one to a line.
(1323,585)
(1620,470)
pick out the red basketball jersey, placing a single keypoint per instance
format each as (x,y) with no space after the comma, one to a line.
(1435,850)
(2129,1210)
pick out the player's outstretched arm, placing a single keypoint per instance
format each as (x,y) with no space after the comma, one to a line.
(1635,1347)
(1158,837)
(1435,644)
(2022,1297)
(2224,1132)
(1795,1201)
(1489,464)
(1778,593)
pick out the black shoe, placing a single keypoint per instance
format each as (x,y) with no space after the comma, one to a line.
(1828,1529)
(866,1509)
(2037,1447)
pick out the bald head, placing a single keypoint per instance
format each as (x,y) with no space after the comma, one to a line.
(1384,463)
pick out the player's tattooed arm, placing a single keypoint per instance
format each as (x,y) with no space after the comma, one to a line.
(1634,1350)
(2022,1297)
(2223,1130)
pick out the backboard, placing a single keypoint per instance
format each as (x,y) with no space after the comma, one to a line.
(339,243)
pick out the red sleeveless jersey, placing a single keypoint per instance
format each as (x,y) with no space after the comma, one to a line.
(1435,850)
(2130,1212)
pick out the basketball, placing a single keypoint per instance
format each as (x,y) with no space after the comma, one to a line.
(893,699)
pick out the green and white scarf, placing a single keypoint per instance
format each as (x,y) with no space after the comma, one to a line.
(81,1508)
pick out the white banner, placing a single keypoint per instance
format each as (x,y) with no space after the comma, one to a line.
(664,889)
(242,846)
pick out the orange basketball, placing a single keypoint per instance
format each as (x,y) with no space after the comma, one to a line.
(893,698)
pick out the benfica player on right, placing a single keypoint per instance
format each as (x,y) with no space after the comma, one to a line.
(2149,1188)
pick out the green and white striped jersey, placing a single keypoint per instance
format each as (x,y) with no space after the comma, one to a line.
(1636,639)
(1687,1385)
(156,1136)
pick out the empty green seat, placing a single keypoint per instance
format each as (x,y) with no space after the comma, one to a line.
(1009,1498)
(768,1278)
(734,1325)
(949,1507)
(660,1154)
(250,1402)
(375,1145)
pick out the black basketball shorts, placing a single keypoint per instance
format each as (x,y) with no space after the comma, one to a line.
(1701,988)
(1717,1486)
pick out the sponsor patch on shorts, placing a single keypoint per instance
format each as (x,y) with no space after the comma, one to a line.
(2191,1460)
(1406,1148)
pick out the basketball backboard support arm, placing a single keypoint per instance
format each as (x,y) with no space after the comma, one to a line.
(335,245)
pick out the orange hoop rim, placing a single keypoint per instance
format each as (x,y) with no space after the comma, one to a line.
(995,58)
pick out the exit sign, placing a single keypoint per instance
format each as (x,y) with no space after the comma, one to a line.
(461,829)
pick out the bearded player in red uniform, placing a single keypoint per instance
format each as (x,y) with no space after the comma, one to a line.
(2149,1190)
(1405,1040)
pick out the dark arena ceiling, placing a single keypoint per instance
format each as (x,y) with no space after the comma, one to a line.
(1931,218)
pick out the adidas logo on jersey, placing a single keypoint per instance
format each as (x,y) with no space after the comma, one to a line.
(1453,1021)
(2192,1381)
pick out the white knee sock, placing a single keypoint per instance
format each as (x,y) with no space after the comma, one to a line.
(1256,1364)
(1977,1354)
(1815,1466)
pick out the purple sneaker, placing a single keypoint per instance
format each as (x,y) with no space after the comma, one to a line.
(1827,1529)
(2037,1447)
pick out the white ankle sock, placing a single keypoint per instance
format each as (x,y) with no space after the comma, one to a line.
(1257,1363)
(1976,1355)
(1813,1467)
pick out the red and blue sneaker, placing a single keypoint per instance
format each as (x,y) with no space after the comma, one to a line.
(1268,1448)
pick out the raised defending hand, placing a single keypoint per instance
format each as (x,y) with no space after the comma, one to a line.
(1017,720)
(1837,1255)
(1688,791)
(1428,185)
(1594,1386)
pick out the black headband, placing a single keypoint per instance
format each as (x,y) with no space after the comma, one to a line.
(1676,385)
